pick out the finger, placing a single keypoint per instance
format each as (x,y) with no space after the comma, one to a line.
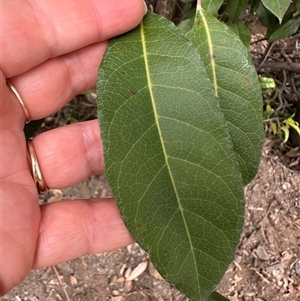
(70,229)
(11,111)
(48,87)
(43,29)
(19,228)
(19,209)
(70,154)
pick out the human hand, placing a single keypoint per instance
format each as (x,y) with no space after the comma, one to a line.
(50,51)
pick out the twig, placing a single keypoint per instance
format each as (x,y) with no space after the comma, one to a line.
(293,67)
(60,283)
(237,265)
(266,55)
(281,102)
(281,106)
(286,56)
(257,41)
(264,279)
(258,226)
(284,80)
(273,119)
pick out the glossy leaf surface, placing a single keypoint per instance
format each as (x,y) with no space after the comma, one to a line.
(241,30)
(287,29)
(212,6)
(168,155)
(277,7)
(235,8)
(236,86)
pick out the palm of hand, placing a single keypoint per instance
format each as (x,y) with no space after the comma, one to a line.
(48,64)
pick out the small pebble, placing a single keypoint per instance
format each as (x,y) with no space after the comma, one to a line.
(297,268)
(262,254)
(115,293)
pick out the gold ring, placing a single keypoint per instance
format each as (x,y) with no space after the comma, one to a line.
(14,90)
(36,171)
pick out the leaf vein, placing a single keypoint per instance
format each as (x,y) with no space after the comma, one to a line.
(163,146)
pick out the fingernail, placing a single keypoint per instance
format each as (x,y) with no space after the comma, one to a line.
(146,8)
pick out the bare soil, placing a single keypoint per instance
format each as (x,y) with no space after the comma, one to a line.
(267,262)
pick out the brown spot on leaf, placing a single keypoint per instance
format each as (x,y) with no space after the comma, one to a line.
(247,80)
(132,92)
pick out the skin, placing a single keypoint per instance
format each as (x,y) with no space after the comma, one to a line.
(51,50)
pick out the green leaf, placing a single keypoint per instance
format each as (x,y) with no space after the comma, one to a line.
(241,30)
(277,7)
(215,296)
(267,82)
(285,30)
(286,131)
(254,4)
(235,82)
(212,6)
(235,8)
(187,24)
(168,156)
(290,122)
(267,18)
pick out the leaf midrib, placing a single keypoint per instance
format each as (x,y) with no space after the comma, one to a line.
(211,53)
(156,116)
